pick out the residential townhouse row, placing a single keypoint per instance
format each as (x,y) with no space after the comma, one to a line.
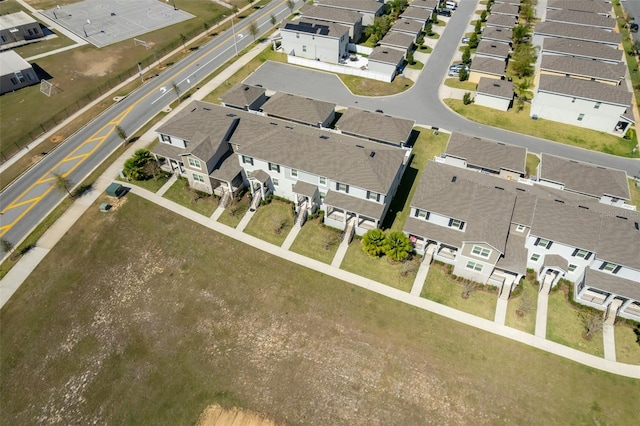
(475,206)
(474,209)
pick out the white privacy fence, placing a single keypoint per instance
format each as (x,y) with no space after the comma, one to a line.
(342,69)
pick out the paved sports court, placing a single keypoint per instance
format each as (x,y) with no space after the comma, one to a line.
(104,22)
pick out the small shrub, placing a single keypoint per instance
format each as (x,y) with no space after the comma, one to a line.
(466,98)
(454,277)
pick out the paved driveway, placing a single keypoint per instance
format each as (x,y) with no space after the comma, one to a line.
(422,102)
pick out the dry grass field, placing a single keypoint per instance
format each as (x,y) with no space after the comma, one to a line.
(142,317)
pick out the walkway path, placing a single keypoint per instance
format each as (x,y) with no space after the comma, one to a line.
(292,236)
(541,314)
(501,311)
(340,253)
(421,278)
(167,185)
(608,337)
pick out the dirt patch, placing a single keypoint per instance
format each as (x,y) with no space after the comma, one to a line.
(216,415)
(94,63)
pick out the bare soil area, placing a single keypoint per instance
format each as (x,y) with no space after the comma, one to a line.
(215,415)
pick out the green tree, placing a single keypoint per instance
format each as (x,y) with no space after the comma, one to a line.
(483,16)
(463,74)
(183,39)
(466,98)
(474,40)
(6,245)
(522,59)
(378,29)
(373,242)
(62,183)
(478,27)
(273,19)
(434,17)
(122,134)
(253,29)
(397,246)
(291,4)
(522,93)
(466,54)
(397,7)
(520,33)
(135,167)
(428,29)
(410,59)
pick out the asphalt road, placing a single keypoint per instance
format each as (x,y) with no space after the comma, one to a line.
(30,198)
(422,102)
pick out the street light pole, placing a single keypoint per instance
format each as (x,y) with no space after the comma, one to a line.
(233,29)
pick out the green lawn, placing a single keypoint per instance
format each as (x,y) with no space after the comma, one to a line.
(433,36)
(425,49)
(457,84)
(521,122)
(317,241)
(379,269)
(367,87)
(528,321)
(635,193)
(144,317)
(180,193)
(442,289)
(427,145)
(152,185)
(532,163)
(627,46)
(417,65)
(627,350)
(565,327)
(272,222)
(233,214)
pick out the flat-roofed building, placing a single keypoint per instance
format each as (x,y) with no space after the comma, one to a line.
(317,40)
(16,73)
(17,29)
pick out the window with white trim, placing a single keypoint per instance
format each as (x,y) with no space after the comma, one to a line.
(580,117)
(322,180)
(422,214)
(541,242)
(474,265)
(304,48)
(165,138)
(610,267)
(342,187)
(581,253)
(198,178)
(534,257)
(597,105)
(373,196)
(275,181)
(520,228)
(247,160)
(294,173)
(194,163)
(455,223)
(481,251)
(572,267)
(274,167)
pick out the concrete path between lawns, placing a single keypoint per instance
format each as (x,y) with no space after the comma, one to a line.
(541,314)
(609,340)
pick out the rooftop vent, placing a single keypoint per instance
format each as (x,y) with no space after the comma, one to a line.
(496,85)
(372,154)
(520,189)
(584,207)
(454,179)
(273,124)
(230,115)
(637,226)
(559,201)
(206,109)
(497,187)
(246,88)
(324,137)
(194,109)
(359,146)
(621,217)
(288,127)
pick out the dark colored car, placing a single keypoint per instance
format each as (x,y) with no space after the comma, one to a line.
(443,12)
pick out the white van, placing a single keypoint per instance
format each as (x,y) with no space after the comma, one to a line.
(451,5)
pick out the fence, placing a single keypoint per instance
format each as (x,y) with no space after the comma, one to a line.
(85,99)
(342,69)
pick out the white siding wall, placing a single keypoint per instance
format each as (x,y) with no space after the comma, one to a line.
(562,109)
(492,102)
(624,272)
(381,68)
(558,249)
(174,141)
(314,47)
(460,269)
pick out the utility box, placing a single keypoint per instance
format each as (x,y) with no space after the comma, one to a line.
(115,190)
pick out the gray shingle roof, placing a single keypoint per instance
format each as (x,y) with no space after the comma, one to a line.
(581,18)
(488,65)
(204,125)
(516,254)
(318,28)
(370,6)
(577,32)
(514,2)
(355,161)
(501,21)
(386,55)
(619,241)
(505,9)
(407,26)
(487,154)
(593,6)
(305,188)
(298,108)
(556,261)
(612,283)
(398,40)
(425,4)
(442,234)
(584,178)
(493,87)
(583,67)
(353,204)
(585,89)
(227,168)
(416,13)
(493,48)
(498,33)
(582,48)
(573,226)
(242,95)
(376,126)
(323,13)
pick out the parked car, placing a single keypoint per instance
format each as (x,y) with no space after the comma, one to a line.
(454,69)
(465,40)
(633,27)
(443,12)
